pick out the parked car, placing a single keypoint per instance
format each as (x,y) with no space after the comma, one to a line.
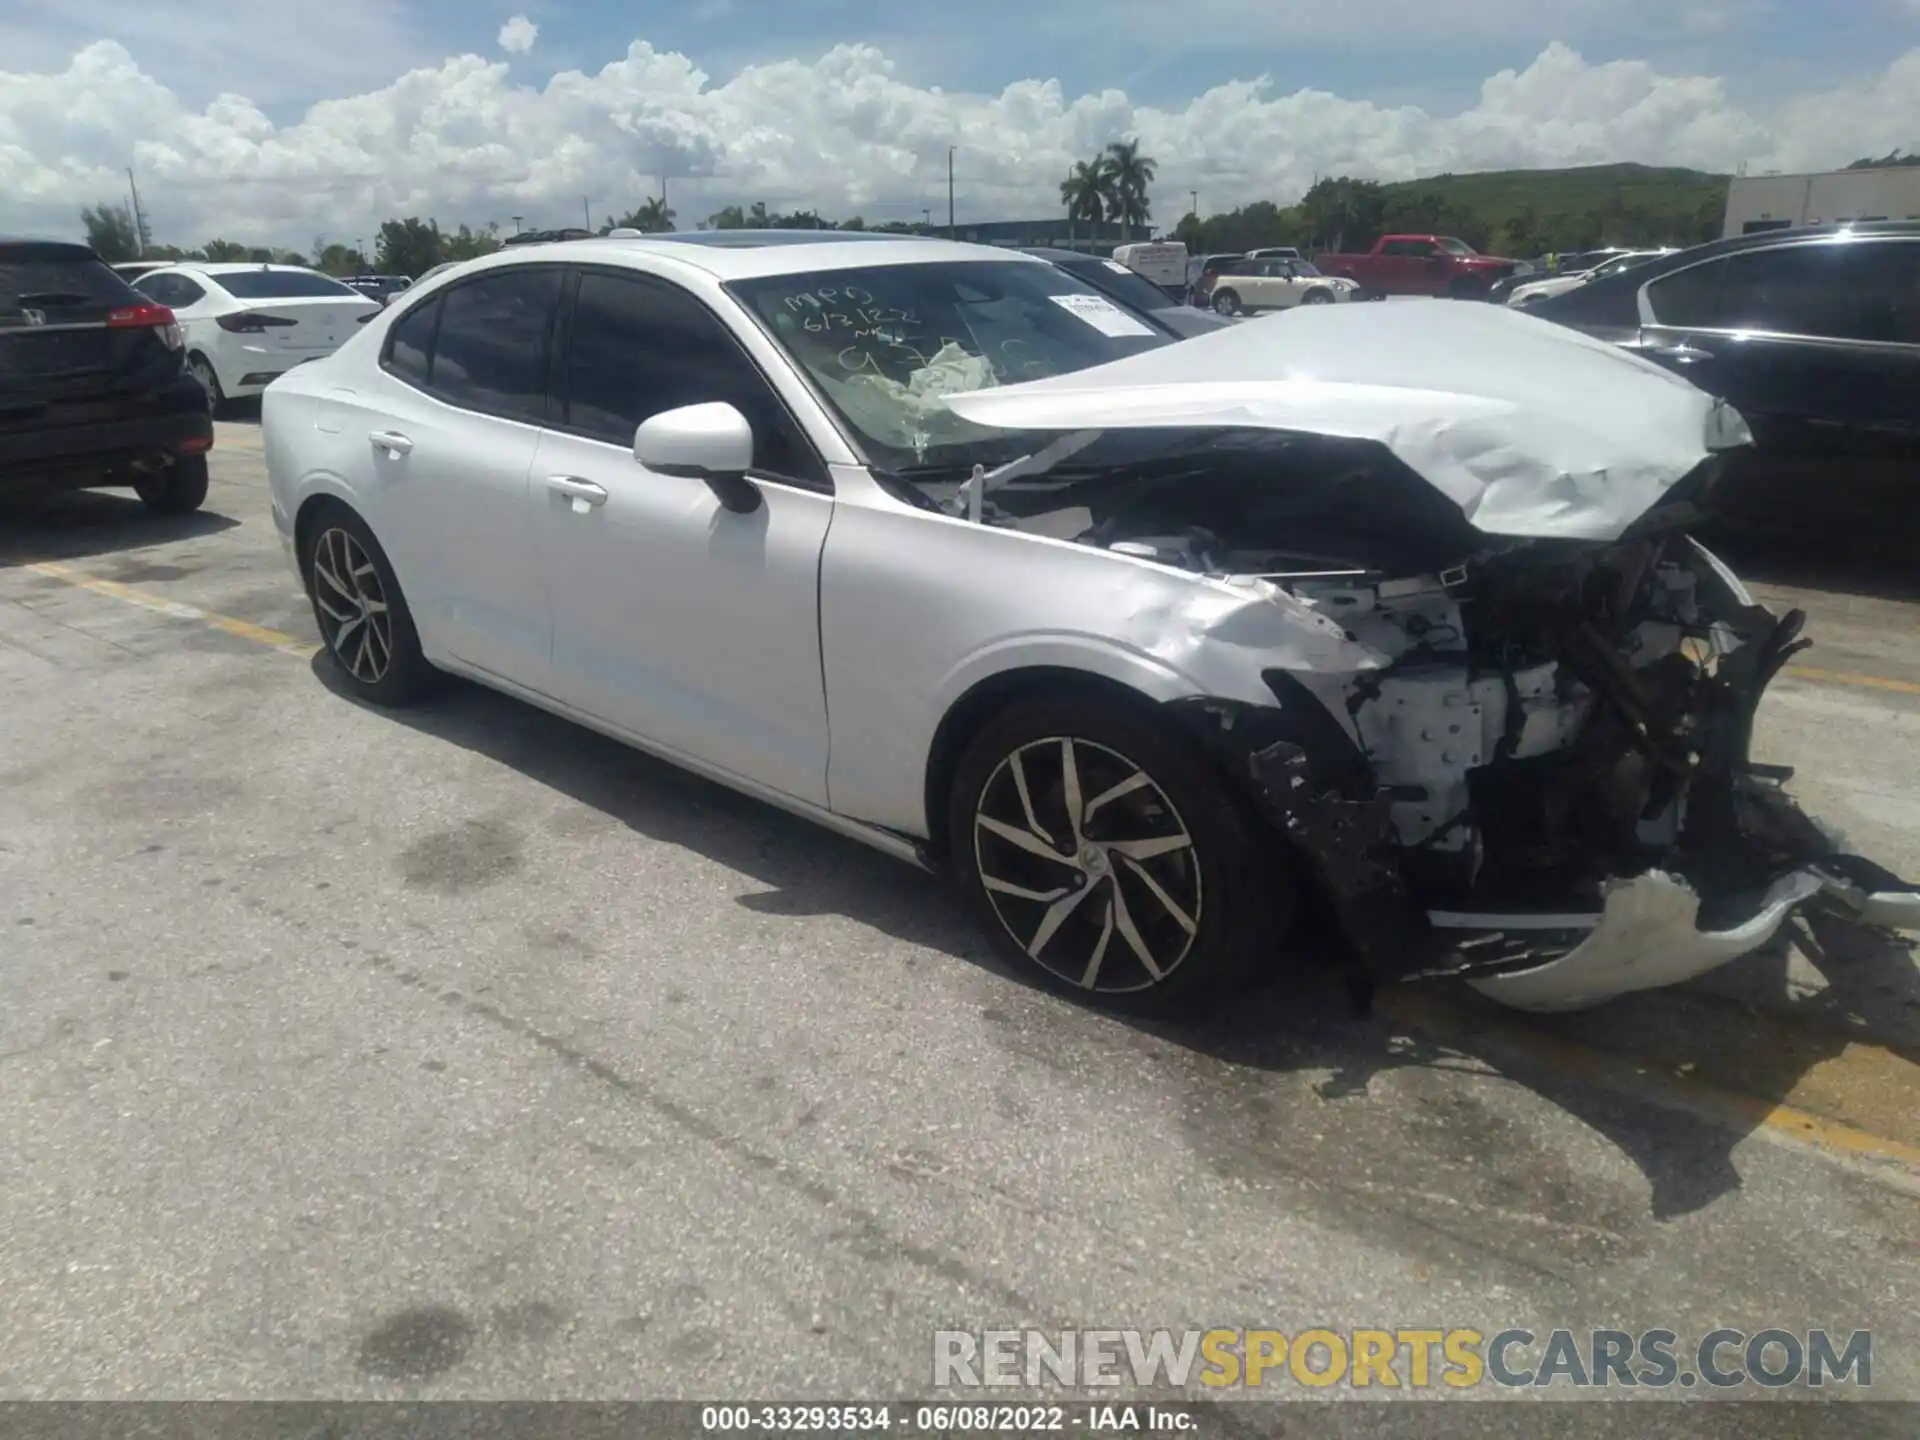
(246,325)
(94,388)
(1814,335)
(1276,252)
(1245,287)
(1162,263)
(1200,272)
(1125,287)
(1532,291)
(131,270)
(1420,265)
(935,545)
(378,288)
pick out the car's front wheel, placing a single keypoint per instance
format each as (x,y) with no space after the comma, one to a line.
(362,614)
(179,489)
(1317,297)
(1108,858)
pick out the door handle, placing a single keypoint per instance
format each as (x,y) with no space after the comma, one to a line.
(1680,352)
(582,492)
(392,441)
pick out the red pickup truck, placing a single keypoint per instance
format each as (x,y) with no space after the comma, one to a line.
(1420,265)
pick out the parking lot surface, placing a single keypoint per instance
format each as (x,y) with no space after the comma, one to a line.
(462,1052)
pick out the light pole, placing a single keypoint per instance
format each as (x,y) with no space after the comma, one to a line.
(952,234)
(927,215)
(360,254)
(516,223)
(1194,195)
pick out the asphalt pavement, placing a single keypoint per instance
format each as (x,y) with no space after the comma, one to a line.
(463,1053)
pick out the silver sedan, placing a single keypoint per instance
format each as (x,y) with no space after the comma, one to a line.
(1144,641)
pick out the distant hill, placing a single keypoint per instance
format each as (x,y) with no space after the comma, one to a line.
(1514,212)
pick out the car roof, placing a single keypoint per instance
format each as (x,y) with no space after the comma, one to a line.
(750,254)
(236,267)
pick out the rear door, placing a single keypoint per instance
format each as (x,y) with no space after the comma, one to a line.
(445,436)
(1817,343)
(68,354)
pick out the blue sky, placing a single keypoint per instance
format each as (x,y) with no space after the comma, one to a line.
(1762,47)
(1430,53)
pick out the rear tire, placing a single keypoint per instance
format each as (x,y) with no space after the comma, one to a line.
(1226,302)
(364,621)
(201,369)
(1166,897)
(180,489)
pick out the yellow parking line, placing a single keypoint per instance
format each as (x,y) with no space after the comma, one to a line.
(245,629)
(1450,1021)
(1842,677)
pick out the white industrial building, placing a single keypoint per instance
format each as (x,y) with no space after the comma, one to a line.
(1784,202)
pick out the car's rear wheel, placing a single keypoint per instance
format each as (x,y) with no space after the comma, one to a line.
(362,614)
(180,489)
(1226,302)
(201,369)
(1109,860)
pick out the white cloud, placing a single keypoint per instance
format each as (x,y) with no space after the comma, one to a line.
(462,141)
(517,35)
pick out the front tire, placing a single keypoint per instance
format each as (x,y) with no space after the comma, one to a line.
(1317,297)
(1109,860)
(364,621)
(180,489)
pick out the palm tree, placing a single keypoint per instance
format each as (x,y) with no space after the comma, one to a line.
(1128,173)
(1085,194)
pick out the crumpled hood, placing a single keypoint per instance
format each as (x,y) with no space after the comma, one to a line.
(1530,428)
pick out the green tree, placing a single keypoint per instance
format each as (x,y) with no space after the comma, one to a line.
(408,247)
(338,259)
(1085,192)
(468,244)
(653,217)
(224,251)
(1128,173)
(111,233)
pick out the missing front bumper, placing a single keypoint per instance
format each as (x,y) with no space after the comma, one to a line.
(1647,936)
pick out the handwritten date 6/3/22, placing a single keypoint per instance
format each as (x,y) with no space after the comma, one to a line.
(945,1420)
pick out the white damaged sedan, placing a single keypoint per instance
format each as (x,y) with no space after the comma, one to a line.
(1142,640)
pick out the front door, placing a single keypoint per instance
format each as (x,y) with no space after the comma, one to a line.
(676,620)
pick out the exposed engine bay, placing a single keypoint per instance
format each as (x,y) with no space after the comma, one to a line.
(1545,735)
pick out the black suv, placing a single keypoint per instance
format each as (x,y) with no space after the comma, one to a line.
(94,388)
(1814,336)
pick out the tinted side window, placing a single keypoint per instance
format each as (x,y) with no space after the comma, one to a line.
(410,343)
(639,347)
(1831,291)
(490,353)
(1885,277)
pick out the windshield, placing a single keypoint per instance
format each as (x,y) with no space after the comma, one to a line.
(1456,247)
(279,284)
(1623,262)
(1126,286)
(883,344)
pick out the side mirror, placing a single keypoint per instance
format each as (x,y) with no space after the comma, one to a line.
(710,442)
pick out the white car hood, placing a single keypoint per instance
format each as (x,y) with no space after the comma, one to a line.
(1530,428)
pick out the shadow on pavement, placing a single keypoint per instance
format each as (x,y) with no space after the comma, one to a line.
(1481,1167)
(74,524)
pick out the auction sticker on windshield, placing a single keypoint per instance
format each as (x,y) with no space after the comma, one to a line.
(1102,314)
